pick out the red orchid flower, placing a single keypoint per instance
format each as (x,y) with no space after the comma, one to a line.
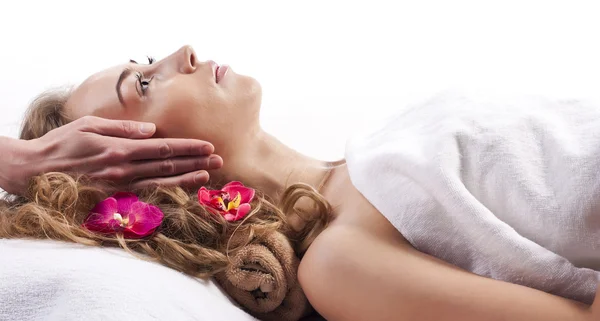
(232,202)
(123,212)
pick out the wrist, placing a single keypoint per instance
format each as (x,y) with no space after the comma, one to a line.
(17,163)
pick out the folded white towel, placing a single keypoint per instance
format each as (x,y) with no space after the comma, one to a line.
(48,280)
(505,187)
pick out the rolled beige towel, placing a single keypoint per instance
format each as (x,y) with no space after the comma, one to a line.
(262,278)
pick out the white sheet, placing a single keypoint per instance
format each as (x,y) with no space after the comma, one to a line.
(48,280)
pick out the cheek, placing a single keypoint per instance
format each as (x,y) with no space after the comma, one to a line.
(187,113)
(209,113)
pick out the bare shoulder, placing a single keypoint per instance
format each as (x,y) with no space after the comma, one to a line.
(341,263)
(319,264)
(329,249)
(339,268)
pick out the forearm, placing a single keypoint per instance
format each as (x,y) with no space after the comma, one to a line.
(443,292)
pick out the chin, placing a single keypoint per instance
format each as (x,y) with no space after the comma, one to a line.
(250,92)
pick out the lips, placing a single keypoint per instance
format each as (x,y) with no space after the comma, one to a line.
(218,71)
(221,72)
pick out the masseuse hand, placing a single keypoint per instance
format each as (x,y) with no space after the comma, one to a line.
(119,151)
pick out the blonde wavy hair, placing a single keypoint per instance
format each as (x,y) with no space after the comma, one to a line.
(190,239)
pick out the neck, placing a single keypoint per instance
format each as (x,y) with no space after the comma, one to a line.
(270,166)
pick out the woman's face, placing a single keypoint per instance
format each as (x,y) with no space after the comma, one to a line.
(185,98)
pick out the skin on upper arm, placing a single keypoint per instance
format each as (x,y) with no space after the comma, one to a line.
(349,274)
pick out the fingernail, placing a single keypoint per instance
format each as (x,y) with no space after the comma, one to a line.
(146,128)
(214,161)
(208,149)
(201,177)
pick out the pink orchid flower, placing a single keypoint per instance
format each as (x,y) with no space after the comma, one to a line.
(232,202)
(123,212)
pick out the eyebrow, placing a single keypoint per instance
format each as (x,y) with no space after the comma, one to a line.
(122,77)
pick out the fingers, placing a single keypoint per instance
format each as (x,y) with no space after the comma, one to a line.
(172,166)
(141,149)
(161,148)
(189,180)
(115,128)
(156,169)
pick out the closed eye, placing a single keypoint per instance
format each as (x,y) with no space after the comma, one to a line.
(151,60)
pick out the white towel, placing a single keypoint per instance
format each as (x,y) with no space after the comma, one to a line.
(505,187)
(48,280)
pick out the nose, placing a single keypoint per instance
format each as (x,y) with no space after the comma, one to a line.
(185,59)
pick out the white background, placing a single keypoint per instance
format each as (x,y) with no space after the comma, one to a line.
(326,67)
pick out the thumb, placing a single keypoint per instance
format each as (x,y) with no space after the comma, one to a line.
(117,128)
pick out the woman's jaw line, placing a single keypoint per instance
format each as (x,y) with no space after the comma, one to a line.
(269,166)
